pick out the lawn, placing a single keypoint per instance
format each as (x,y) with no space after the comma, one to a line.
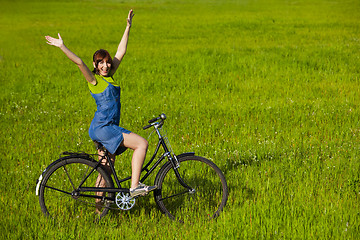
(268,90)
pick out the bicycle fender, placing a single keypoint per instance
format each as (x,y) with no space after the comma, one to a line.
(185,154)
(39,180)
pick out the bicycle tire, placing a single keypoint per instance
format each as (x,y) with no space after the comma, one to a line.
(178,203)
(62,179)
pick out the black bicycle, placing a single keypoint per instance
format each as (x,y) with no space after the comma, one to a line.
(188,186)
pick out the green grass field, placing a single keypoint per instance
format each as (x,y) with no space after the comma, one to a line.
(267,89)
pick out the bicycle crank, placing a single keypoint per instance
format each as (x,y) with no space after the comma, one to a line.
(124,201)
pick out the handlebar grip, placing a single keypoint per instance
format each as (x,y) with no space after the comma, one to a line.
(146,127)
(162,116)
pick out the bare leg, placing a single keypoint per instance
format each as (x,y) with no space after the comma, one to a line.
(139,145)
(100,182)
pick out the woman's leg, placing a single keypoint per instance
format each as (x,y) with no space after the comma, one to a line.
(139,145)
(100,182)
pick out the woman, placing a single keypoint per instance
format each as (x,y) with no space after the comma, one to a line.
(104,127)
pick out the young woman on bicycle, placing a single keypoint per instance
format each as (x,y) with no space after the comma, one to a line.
(104,127)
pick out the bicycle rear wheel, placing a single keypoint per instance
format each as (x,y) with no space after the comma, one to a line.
(205,200)
(59,194)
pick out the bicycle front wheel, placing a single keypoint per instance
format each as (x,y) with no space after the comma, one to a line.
(206,198)
(59,193)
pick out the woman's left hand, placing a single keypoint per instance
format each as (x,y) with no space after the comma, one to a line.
(129,19)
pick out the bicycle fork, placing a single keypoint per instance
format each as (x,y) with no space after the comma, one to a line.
(176,165)
(172,158)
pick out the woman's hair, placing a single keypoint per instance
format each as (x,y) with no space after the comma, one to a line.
(100,55)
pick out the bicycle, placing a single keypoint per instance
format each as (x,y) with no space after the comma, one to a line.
(186,184)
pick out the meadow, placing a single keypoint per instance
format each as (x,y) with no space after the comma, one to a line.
(267,89)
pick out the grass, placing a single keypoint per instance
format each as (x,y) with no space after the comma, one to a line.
(268,90)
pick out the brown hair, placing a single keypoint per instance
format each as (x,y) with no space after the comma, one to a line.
(99,56)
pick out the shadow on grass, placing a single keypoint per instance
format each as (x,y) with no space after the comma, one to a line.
(235,168)
(255,159)
(203,202)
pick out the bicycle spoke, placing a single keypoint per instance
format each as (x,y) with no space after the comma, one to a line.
(67,173)
(56,189)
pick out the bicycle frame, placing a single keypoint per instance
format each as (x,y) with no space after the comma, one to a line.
(172,158)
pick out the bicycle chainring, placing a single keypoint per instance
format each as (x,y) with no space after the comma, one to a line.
(124,201)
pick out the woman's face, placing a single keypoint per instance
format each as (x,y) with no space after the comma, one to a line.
(104,68)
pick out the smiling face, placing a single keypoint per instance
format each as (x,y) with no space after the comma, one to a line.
(102,62)
(103,68)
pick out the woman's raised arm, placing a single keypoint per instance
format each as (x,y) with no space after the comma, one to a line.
(122,45)
(73,57)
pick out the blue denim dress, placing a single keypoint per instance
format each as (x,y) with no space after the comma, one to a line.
(104,128)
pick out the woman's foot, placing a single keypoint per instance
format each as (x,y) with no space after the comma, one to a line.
(99,204)
(141,189)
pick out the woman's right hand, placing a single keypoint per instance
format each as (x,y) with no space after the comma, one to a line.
(55,42)
(89,76)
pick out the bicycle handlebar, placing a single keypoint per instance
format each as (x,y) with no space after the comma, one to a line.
(161,117)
